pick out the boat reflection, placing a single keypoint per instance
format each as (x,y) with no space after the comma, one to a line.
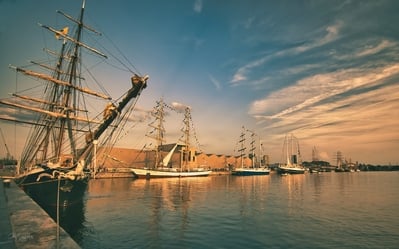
(71,218)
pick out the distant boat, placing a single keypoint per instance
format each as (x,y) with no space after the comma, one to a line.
(314,170)
(162,167)
(292,155)
(54,165)
(252,170)
(339,168)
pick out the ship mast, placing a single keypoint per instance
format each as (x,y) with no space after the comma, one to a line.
(252,149)
(54,134)
(159,115)
(72,81)
(186,136)
(242,149)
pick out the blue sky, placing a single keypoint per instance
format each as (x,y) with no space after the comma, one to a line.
(326,71)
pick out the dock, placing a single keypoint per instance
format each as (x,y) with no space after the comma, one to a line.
(24,224)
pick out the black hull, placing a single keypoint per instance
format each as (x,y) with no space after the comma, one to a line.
(45,191)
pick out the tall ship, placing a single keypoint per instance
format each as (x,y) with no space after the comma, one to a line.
(60,107)
(162,167)
(254,169)
(292,156)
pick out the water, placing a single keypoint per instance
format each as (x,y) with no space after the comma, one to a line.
(328,210)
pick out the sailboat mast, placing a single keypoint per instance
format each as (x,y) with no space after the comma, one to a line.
(252,148)
(186,130)
(260,153)
(160,117)
(242,143)
(286,142)
(53,99)
(69,92)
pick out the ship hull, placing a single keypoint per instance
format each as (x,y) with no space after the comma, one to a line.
(250,172)
(48,192)
(290,170)
(151,173)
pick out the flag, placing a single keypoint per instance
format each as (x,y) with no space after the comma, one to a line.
(63,31)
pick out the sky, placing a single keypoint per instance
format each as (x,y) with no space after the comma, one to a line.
(326,71)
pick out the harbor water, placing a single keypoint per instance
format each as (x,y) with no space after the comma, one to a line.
(326,210)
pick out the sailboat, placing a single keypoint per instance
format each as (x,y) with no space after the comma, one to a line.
(292,154)
(65,128)
(162,167)
(253,170)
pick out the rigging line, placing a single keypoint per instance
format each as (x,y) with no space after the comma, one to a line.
(115,57)
(141,151)
(120,52)
(123,119)
(96,81)
(87,114)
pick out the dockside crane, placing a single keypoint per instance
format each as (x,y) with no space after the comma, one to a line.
(8,155)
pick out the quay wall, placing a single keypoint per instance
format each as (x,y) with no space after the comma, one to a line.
(24,224)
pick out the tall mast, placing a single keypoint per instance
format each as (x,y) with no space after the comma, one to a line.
(186,131)
(158,127)
(72,81)
(252,149)
(242,149)
(286,142)
(260,153)
(160,118)
(53,100)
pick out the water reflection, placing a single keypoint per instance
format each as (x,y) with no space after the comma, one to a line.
(239,212)
(252,193)
(71,218)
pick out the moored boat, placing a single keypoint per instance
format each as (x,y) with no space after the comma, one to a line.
(147,173)
(65,128)
(292,156)
(252,170)
(162,167)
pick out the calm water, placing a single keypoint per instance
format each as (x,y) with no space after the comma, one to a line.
(328,210)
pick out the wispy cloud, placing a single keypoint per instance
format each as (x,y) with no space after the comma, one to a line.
(335,108)
(369,50)
(314,89)
(215,82)
(198,6)
(331,33)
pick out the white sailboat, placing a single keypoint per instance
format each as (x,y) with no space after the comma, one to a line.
(55,161)
(292,156)
(253,170)
(162,167)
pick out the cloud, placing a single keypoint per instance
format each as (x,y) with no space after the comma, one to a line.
(359,111)
(240,75)
(314,89)
(179,107)
(370,50)
(198,6)
(215,82)
(331,33)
